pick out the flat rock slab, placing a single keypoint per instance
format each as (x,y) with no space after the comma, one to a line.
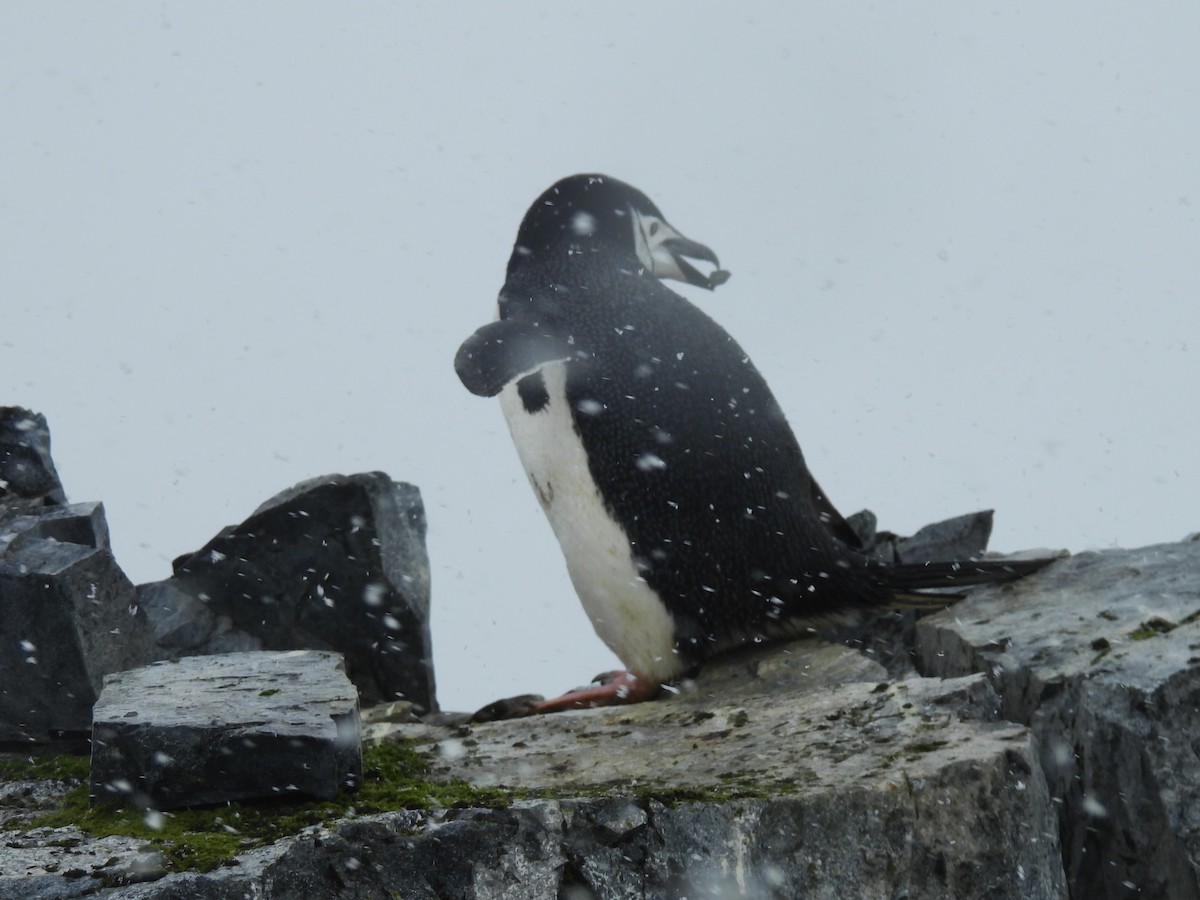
(846,788)
(211,729)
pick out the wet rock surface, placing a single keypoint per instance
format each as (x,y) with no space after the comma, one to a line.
(1042,746)
(842,787)
(229,727)
(1100,656)
(68,615)
(334,563)
(962,537)
(28,479)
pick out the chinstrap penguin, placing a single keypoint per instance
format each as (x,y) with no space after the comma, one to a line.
(677,491)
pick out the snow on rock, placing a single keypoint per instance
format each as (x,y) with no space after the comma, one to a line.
(235,726)
(1100,656)
(334,563)
(68,614)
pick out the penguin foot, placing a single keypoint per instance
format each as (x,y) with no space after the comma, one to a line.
(508,708)
(609,689)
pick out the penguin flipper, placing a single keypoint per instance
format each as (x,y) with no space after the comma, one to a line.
(500,352)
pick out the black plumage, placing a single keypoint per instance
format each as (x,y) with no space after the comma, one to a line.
(689,451)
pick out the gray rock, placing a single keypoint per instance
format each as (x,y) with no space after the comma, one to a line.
(1100,655)
(1061,756)
(215,729)
(738,787)
(23,799)
(962,537)
(53,863)
(823,846)
(70,617)
(69,613)
(28,479)
(845,789)
(335,563)
(79,523)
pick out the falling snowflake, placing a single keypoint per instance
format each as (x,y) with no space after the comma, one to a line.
(650,462)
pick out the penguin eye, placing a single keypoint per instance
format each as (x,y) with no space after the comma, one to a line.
(653,229)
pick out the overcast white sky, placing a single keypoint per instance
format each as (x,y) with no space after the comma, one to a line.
(240,244)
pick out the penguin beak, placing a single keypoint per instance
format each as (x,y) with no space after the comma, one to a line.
(664,252)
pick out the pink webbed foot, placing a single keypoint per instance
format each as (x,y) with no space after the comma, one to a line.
(611,689)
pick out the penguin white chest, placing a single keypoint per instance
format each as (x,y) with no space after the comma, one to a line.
(627,615)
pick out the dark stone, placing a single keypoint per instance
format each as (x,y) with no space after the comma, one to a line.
(69,618)
(217,729)
(962,537)
(28,478)
(1100,656)
(83,524)
(335,563)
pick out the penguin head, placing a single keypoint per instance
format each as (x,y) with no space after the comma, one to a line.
(595,213)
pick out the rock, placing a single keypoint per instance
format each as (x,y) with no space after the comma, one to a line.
(79,523)
(53,863)
(70,617)
(335,563)
(1100,656)
(28,478)
(736,787)
(962,537)
(216,729)
(843,789)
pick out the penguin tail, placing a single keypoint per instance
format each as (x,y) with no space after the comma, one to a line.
(909,577)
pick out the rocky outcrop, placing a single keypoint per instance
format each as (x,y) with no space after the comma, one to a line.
(334,563)
(1100,657)
(842,785)
(69,615)
(28,479)
(838,788)
(1044,746)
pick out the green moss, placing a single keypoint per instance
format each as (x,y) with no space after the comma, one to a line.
(394,778)
(1151,628)
(44,768)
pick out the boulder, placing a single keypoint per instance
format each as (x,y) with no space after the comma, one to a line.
(218,729)
(70,616)
(69,613)
(1100,656)
(335,563)
(28,478)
